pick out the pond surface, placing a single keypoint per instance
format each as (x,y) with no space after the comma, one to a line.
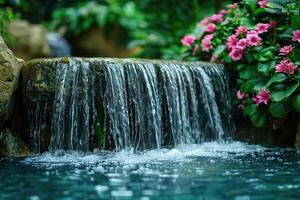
(208,171)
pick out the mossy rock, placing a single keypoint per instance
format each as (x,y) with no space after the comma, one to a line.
(12,145)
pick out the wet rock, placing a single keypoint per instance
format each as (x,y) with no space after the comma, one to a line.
(12,145)
(28,40)
(10,67)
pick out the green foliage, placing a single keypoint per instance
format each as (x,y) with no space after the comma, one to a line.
(267,78)
(6,16)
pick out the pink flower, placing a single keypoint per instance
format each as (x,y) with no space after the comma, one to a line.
(242,43)
(231,42)
(296,35)
(240,30)
(206,45)
(206,42)
(209,37)
(262,28)
(204,21)
(236,53)
(188,40)
(223,12)
(210,28)
(263,3)
(213,59)
(195,49)
(286,50)
(240,95)
(233,6)
(216,18)
(273,23)
(253,38)
(285,66)
(241,106)
(262,97)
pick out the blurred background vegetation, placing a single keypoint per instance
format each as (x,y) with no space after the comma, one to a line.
(115,28)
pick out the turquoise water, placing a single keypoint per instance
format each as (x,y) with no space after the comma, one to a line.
(209,171)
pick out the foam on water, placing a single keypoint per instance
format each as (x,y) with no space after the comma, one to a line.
(183,153)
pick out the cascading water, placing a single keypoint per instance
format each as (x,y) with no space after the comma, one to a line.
(133,104)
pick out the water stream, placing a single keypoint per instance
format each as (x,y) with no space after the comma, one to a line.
(143,104)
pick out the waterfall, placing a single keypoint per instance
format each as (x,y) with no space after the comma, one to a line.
(134,104)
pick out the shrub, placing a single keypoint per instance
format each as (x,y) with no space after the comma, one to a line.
(259,42)
(6,16)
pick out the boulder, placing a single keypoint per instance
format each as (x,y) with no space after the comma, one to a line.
(12,145)
(28,40)
(10,67)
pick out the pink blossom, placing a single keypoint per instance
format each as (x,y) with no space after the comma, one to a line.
(213,59)
(242,43)
(241,106)
(223,12)
(240,95)
(216,18)
(209,37)
(240,30)
(262,28)
(253,38)
(263,3)
(236,53)
(286,50)
(206,45)
(188,40)
(262,97)
(285,66)
(204,21)
(233,6)
(273,23)
(206,42)
(232,42)
(195,49)
(210,28)
(296,35)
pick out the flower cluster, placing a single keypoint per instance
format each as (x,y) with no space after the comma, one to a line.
(261,49)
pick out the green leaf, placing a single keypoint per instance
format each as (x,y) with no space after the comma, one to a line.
(296,102)
(239,82)
(278,77)
(272,10)
(297,76)
(258,117)
(275,6)
(248,73)
(287,34)
(295,22)
(260,85)
(247,22)
(265,67)
(252,84)
(280,109)
(219,50)
(249,57)
(241,66)
(296,54)
(281,94)
(265,54)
